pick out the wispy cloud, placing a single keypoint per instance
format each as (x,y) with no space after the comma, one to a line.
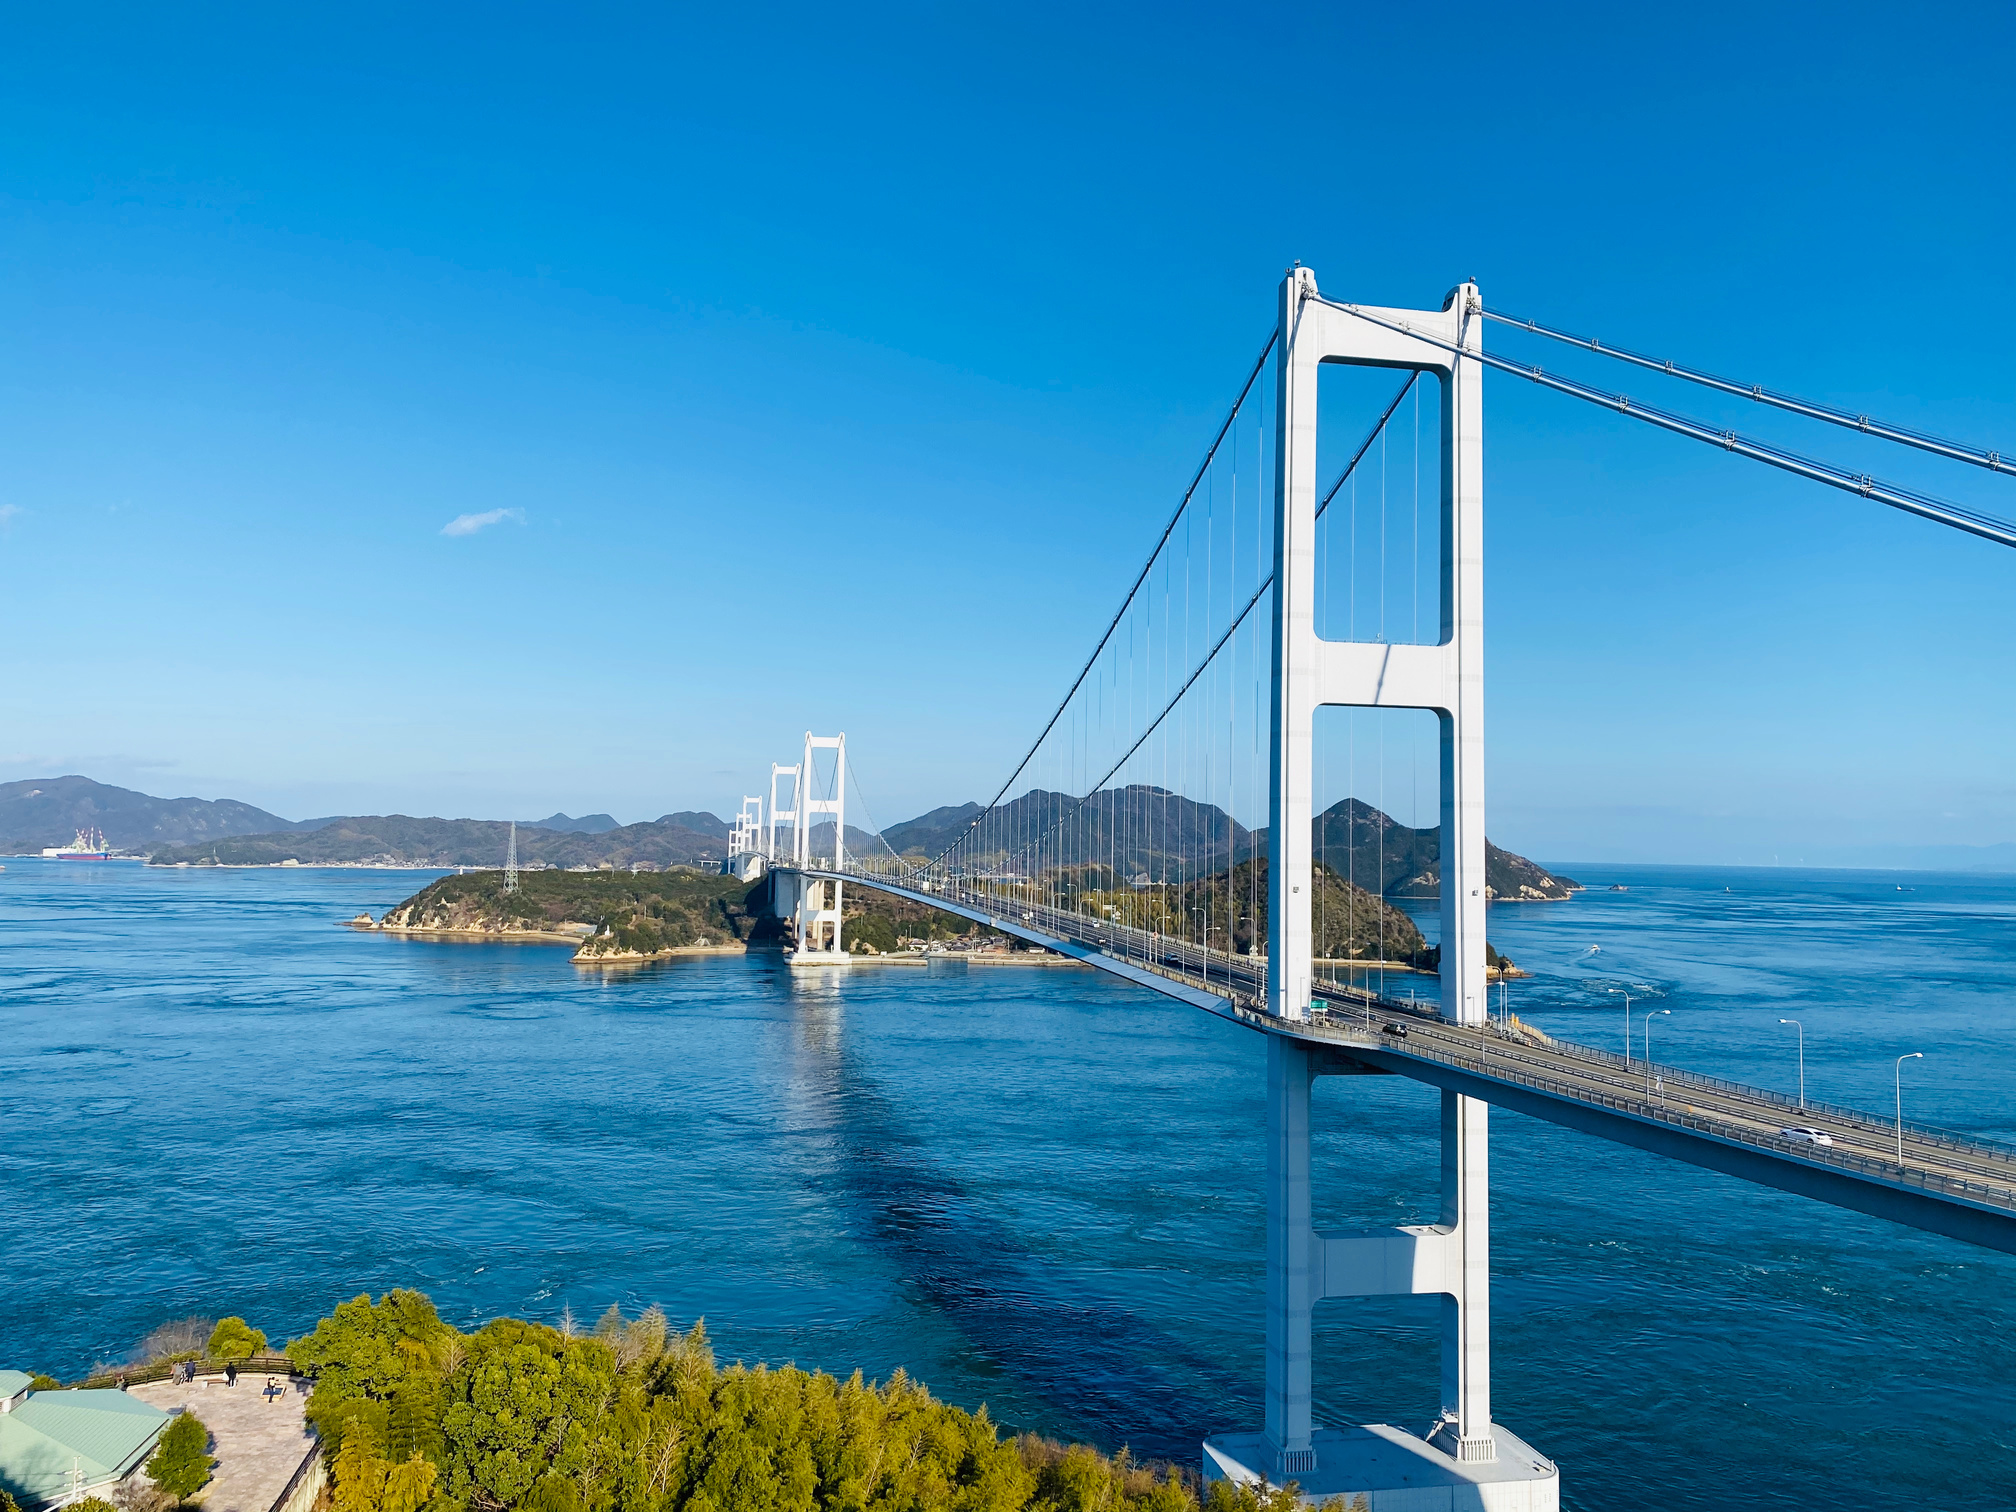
(469,524)
(9,513)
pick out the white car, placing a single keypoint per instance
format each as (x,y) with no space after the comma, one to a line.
(1807,1136)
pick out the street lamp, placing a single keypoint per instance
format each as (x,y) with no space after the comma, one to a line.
(1802,1059)
(1899,1077)
(1649,1016)
(1643,991)
(1613,991)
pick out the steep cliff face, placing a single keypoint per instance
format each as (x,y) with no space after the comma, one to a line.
(1514,879)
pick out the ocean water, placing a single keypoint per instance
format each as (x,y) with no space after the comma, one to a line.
(1037,1189)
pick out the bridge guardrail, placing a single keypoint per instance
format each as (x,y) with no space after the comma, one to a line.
(1887,1171)
(1785,1102)
(1151,949)
(140,1375)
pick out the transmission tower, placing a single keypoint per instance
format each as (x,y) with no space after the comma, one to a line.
(511,860)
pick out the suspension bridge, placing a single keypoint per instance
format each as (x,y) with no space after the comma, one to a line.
(1271,604)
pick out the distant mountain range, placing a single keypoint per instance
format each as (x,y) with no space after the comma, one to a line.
(1135,831)
(402,840)
(1149,831)
(51,810)
(588,824)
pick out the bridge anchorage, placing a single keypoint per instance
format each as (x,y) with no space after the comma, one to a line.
(1052,869)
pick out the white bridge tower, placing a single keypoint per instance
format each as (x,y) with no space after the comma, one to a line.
(1480,1465)
(815,904)
(746,856)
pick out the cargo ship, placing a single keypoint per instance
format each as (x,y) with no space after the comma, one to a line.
(88,846)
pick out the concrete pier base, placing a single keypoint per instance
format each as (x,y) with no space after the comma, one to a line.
(1379,1468)
(819,958)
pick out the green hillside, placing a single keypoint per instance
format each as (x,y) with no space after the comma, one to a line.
(1148,831)
(51,810)
(644,912)
(402,840)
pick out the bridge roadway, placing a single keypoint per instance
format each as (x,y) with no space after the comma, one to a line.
(1946,1183)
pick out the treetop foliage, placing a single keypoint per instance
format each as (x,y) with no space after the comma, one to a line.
(182,1462)
(638,1417)
(234,1339)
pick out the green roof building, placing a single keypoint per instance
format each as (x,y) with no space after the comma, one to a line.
(59,1446)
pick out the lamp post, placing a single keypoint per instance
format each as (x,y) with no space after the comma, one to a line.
(1627,1021)
(1649,1016)
(1899,1077)
(1802,1059)
(1625,992)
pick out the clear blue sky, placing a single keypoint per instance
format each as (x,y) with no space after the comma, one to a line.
(782,337)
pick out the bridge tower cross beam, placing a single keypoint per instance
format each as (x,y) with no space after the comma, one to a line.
(1447,678)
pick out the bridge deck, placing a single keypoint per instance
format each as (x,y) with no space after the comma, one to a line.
(1945,1183)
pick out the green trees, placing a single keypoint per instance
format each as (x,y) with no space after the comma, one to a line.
(366,1480)
(519,1417)
(1350,923)
(181,1462)
(232,1339)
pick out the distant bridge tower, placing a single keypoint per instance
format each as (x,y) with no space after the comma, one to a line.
(818,908)
(777,812)
(745,842)
(511,860)
(1481,1464)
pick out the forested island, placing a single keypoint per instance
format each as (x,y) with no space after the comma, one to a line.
(607,915)
(615,918)
(619,917)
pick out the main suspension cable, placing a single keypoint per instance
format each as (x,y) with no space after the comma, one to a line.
(1259,592)
(1146,568)
(1959,451)
(1987,526)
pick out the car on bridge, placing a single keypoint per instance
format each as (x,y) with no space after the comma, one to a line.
(1803,1135)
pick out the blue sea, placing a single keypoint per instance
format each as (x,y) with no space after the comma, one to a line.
(1038,1189)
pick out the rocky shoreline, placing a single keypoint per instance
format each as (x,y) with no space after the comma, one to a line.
(588,955)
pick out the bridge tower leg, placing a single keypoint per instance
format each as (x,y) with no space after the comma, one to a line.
(1449,1258)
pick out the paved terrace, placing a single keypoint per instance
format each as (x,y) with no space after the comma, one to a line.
(259,1443)
(1946,1183)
